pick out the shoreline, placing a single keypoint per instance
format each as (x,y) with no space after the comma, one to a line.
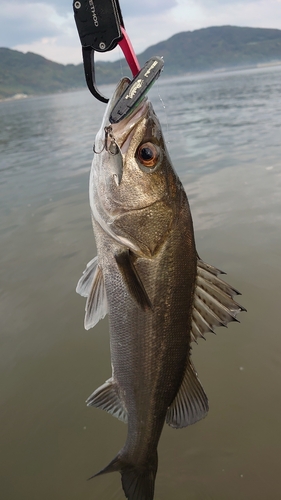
(225,69)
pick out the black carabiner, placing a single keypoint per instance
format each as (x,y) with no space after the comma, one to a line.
(89,69)
(100,26)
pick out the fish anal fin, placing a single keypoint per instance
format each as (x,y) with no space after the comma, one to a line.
(96,305)
(190,404)
(106,397)
(131,278)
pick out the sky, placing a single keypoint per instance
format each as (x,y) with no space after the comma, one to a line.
(48,28)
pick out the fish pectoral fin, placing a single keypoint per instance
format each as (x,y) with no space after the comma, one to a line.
(107,398)
(84,285)
(190,403)
(91,285)
(131,278)
(213,303)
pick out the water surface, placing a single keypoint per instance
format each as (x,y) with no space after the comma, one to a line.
(223,133)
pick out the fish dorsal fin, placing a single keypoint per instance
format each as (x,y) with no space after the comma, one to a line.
(84,285)
(107,398)
(131,278)
(190,403)
(213,303)
(91,285)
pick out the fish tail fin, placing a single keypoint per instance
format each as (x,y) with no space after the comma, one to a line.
(137,480)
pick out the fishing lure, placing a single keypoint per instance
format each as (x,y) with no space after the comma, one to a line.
(100,26)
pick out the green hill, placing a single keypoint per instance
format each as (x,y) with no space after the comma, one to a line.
(33,74)
(191,51)
(217,47)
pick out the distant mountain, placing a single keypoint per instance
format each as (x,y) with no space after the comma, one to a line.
(33,74)
(217,47)
(190,51)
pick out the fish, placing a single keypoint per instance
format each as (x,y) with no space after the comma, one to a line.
(158,294)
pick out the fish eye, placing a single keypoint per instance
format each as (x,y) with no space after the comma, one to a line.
(147,154)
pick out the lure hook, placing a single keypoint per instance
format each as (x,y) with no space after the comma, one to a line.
(113,148)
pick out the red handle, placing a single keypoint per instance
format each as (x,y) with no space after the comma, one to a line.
(129,53)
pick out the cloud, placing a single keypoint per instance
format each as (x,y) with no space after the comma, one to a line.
(213,3)
(129,8)
(252,13)
(144,8)
(25,23)
(48,28)
(55,49)
(63,7)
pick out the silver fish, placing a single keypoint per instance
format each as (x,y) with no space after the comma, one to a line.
(158,293)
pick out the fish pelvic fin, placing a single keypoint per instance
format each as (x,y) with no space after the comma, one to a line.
(137,480)
(107,398)
(190,404)
(213,303)
(91,285)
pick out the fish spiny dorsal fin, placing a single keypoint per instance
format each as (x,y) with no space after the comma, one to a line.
(190,403)
(213,303)
(91,285)
(107,398)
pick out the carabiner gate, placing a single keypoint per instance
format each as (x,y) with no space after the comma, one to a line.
(100,27)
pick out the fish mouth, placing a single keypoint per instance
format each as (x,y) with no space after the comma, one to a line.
(124,129)
(120,89)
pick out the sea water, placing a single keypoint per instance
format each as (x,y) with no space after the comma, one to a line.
(223,131)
